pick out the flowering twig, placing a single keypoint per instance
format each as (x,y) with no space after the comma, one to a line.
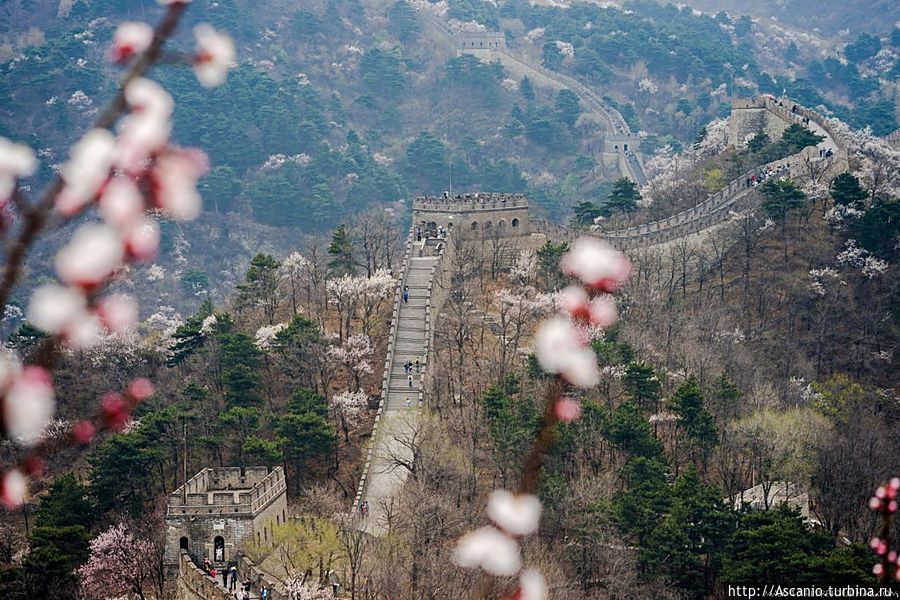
(563,349)
(35,217)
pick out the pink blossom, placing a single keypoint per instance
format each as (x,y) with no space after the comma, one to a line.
(120,565)
(603,312)
(29,406)
(118,312)
(874,503)
(12,489)
(567,409)
(121,204)
(880,492)
(560,349)
(92,255)
(56,309)
(86,171)
(597,264)
(532,585)
(114,411)
(489,549)
(16,160)
(140,388)
(574,301)
(214,55)
(895,483)
(874,543)
(145,96)
(130,38)
(175,176)
(83,432)
(516,514)
(142,239)
(877,570)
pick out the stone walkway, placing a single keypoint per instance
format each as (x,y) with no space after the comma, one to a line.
(385,477)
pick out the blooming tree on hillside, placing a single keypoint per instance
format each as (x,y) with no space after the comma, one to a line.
(353,354)
(350,409)
(126,167)
(120,564)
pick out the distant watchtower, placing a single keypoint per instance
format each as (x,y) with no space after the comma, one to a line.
(219,509)
(504,215)
(480,43)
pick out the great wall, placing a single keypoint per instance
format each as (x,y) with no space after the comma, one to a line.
(427,271)
(621,146)
(250,501)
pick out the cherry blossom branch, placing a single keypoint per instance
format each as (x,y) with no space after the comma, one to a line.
(562,345)
(887,569)
(35,217)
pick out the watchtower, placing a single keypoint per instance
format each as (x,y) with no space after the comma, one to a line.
(219,509)
(480,43)
(504,215)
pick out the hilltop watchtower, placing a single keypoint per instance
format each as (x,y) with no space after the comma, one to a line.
(480,43)
(503,215)
(219,509)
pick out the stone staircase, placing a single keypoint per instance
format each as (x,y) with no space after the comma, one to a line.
(382,476)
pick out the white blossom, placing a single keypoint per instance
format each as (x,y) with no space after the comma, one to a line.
(516,514)
(16,160)
(214,55)
(489,549)
(265,335)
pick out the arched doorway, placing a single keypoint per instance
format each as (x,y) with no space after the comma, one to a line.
(515,222)
(183,543)
(474,225)
(219,549)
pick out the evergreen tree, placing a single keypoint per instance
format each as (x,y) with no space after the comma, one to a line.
(526,89)
(878,231)
(688,544)
(623,197)
(341,250)
(240,366)
(188,337)
(628,428)
(567,107)
(585,212)
(261,287)
(694,421)
(642,386)
(304,433)
(405,23)
(640,508)
(846,191)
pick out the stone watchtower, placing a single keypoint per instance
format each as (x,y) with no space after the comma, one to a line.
(219,509)
(504,215)
(749,116)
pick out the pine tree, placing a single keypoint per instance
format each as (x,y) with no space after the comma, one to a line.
(846,191)
(341,249)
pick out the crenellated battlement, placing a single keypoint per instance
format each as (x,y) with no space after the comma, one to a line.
(474,201)
(228,490)
(504,215)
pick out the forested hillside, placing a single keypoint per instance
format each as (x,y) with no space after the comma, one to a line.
(342,106)
(714,405)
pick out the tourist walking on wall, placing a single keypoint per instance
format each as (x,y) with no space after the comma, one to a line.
(418,366)
(224,577)
(264,592)
(233,579)
(410,380)
(406,293)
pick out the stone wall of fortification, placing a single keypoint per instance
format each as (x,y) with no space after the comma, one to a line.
(748,119)
(193,584)
(507,213)
(212,511)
